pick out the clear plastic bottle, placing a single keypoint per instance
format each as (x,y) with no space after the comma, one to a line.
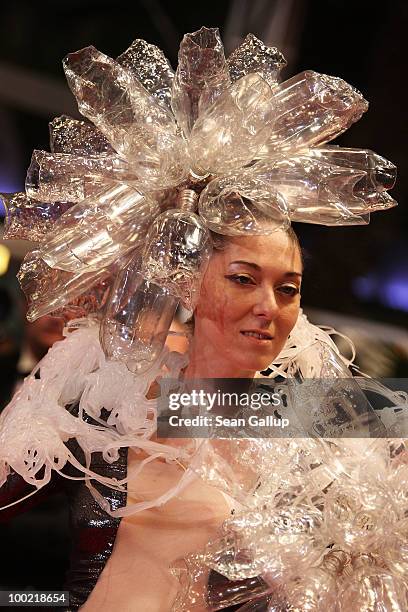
(100,229)
(145,296)
(137,319)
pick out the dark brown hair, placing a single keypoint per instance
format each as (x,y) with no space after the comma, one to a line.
(220,241)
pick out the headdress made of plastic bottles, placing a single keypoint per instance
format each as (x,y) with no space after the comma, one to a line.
(122,206)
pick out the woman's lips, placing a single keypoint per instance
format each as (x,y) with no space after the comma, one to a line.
(258,337)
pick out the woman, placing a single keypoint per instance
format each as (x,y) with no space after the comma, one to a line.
(251,288)
(248,304)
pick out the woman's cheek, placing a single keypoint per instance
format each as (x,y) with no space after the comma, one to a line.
(289,318)
(214,305)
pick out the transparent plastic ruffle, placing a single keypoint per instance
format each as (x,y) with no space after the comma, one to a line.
(48,290)
(90,302)
(202,588)
(232,111)
(239,204)
(28,219)
(312,511)
(176,253)
(36,424)
(320,398)
(137,125)
(315,192)
(290,488)
(254,56)
(379,173)
(373,586)
(201,75)
(68,135)
(100,229)
(318,191)
(232,131)
(137,319)
(145,296)
(318,527)
(305,335)
(326,398)
(151,68)
(311,109)
(72,178)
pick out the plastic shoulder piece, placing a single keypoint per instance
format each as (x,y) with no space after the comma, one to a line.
(36,425)
(304,336)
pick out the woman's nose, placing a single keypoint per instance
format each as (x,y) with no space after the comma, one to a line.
(266,304)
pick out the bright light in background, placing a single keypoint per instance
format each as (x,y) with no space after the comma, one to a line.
(396,293)
(2,206)
(365,287)
(390,290)
(4,259)
(7,188)
(387,284)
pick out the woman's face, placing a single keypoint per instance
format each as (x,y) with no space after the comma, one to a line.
(249,302)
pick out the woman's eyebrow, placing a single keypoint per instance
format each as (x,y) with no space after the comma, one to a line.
(289,274)
(247,263)
(258,268)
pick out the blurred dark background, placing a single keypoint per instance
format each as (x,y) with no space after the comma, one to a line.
(356,278)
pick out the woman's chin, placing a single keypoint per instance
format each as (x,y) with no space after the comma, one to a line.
(257,364)
(255,360)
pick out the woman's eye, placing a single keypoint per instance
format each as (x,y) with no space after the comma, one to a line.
(289,290)
(241,279)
